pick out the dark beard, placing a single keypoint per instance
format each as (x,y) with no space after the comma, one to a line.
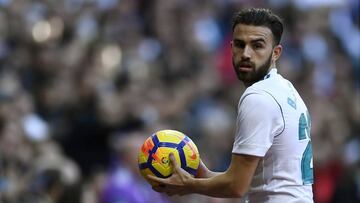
(250,78)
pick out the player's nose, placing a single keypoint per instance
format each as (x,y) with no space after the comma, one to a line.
(246,53)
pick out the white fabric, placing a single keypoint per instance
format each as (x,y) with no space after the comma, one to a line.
(268,127)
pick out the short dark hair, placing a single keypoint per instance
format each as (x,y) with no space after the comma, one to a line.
(260,17)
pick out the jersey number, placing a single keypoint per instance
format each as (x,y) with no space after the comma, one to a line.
(307,157)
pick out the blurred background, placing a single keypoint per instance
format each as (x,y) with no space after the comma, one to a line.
(84,82)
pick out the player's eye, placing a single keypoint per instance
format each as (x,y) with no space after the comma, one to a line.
(239,44)
(258,45)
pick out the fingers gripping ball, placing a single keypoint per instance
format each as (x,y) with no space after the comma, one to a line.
(154,154)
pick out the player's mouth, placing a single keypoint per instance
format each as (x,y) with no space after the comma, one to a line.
(245,67)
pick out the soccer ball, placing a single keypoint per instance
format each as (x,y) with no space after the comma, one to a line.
(154,154)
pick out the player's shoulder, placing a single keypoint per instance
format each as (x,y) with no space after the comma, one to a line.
(257,98)
(259,105)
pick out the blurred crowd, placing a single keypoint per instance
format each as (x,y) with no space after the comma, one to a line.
(84,82)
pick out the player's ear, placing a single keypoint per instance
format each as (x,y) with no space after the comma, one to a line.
(276,52)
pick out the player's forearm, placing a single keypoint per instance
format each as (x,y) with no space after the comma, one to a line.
(235,182)
(219,185)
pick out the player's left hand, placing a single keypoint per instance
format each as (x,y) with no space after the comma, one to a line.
(179,183)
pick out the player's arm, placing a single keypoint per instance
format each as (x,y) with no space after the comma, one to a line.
(232,183)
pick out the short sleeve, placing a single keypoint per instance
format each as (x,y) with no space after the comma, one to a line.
(259,120)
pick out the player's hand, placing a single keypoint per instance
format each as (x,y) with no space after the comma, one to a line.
(179,183)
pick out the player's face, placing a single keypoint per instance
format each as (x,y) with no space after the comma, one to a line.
(252,52)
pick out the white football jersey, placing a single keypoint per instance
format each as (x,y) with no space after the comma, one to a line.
(274,123)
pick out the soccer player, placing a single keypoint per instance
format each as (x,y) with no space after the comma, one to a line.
(272,155)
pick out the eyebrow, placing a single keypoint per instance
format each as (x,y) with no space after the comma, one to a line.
(252,41)
(258,40)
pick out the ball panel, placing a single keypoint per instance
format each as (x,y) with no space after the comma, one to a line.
(147,146)
(192,154)
(142,158)
(162,163)
(175,137)
(192,157)
(158,171)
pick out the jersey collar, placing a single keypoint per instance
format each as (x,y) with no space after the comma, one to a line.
(271,73)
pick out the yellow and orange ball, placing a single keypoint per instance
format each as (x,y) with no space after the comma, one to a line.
(154,154)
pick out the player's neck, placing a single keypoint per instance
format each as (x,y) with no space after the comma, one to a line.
(248,84)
